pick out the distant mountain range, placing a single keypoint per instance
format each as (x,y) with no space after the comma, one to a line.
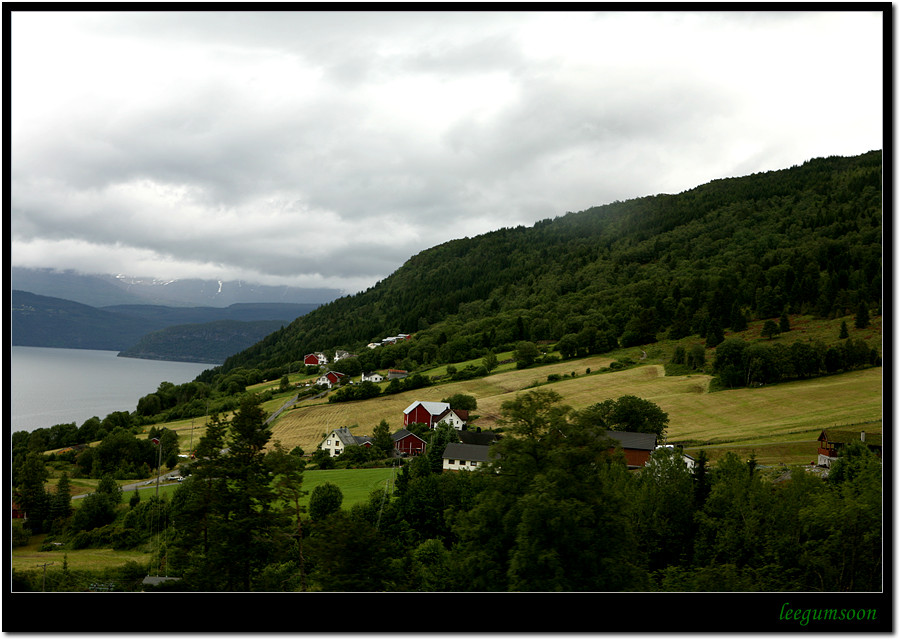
(103,290)
(188,334)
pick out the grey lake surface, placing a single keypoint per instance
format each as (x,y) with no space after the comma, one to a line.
(53,386)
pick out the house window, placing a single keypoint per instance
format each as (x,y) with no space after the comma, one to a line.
(328,442)
(451,462)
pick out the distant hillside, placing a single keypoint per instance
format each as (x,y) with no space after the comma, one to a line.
(102,290)
(245,312)
(43,321)
(806,239)
(211,342)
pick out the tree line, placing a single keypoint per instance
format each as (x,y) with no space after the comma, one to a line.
(557,510)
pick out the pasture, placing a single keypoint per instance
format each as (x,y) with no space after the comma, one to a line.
(696,417)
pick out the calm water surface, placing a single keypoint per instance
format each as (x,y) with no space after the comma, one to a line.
(53,386)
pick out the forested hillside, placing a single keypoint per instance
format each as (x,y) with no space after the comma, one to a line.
(804,240)
(210,342)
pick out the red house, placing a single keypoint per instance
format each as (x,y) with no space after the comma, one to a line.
(425,413)
(636,446)
(406,443)
(315,359)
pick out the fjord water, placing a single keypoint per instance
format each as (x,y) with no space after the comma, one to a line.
(53,386)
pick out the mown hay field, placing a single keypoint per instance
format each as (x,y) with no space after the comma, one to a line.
(305,424)
(695,416)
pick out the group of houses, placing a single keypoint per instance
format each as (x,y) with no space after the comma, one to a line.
(474,448)
(389,340)
(320,359)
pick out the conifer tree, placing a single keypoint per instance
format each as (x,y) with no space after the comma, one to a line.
(844,333)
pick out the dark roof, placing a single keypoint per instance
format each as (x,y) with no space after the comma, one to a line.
(402,433)
(157,579)
(460,451)
(632,440)
(846,436)
(478,437)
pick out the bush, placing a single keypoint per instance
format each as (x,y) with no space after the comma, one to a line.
(20,534)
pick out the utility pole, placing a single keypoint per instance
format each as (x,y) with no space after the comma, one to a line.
(158,464)
(44,580)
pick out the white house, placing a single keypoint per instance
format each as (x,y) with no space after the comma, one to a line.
(340,355)
(373,345)
(341,438)
(372,376)
(689,462)
(465,457)
(331,379)
(456,418)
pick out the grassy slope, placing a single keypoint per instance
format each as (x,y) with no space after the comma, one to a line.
(732,419)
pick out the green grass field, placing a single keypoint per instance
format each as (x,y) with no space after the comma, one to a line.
(28,558)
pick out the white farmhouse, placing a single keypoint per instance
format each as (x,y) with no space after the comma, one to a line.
(465,457)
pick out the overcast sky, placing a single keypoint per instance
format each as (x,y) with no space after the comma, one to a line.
(325,149)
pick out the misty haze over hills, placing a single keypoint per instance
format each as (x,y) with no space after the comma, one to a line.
(100,290)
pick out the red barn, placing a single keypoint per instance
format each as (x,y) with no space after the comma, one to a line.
(315,359)
(636,446)
(424,413)
(408,443)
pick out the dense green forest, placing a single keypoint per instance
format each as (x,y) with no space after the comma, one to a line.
(803,240)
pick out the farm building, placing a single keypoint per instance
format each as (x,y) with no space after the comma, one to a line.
(478,437)
(331,379)
(465,457)
(406,443)
(831,441)
(394,374)
(315,359)
(636,446)
(339,439)
(424,413)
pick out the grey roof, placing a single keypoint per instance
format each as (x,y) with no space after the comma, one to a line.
(157,579)
(478,437)
(343,433)
(402,433)
(632,440)
(433,408)
(471,452)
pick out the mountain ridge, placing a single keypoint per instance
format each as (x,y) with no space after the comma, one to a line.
(46,321)
(101,290)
